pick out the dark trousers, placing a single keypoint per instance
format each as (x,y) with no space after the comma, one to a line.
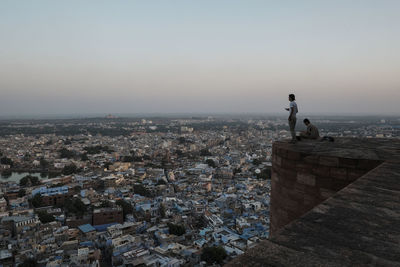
(292,127)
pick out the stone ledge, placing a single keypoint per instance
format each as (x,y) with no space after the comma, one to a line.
(309,172)
(357,226)
(349,149)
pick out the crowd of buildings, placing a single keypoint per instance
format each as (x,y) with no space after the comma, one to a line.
(150,198)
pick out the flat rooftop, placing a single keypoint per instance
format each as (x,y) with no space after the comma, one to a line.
(358,226)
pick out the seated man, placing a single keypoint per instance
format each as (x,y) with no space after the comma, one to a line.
(311,132)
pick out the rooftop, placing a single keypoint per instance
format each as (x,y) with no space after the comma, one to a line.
(86,228)
(359,225)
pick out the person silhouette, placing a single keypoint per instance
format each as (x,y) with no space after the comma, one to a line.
(292,117)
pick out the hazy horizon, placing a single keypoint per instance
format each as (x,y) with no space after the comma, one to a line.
(252,115)
(184,57)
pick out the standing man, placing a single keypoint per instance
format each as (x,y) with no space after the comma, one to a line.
(292,117)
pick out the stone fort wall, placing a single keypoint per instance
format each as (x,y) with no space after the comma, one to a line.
(301,180)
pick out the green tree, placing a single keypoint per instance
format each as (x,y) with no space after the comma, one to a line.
(65,153)
(205,152)
(44,163)
(50,142)
(24,181)
(75,206)
(161,210)
(211,163)
(6,173)
(161,182)
(77,189)
(128,159)
(67,142)
(256,162)
(141,190)
(53,174)
(176,229)
(6,161)
(137,159)
(37,200)
(97,149)
(84,157)
(237,170)
(213,254)
(179,152)
(29,263)
(264,174)
(29,180)
(44,217)
(27,157)
(35,180)
(200,222)
(21,192)
(69,169)
(126,207)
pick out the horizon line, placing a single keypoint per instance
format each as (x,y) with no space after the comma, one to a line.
(175,114)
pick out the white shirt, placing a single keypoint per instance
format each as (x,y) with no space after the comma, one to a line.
(293,106)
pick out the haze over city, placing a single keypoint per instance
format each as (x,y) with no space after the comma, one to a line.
(85,57)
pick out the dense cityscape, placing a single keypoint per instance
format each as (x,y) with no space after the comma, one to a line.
(154,191)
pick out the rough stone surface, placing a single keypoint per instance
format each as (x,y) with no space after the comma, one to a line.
(318,169)
(352,221)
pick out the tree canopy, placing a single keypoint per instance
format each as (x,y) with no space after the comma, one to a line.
(176,229)
(69,169)
(84,157)
(29,263)
(256,161)
(205,152)
(141,190)
(211,163)
(21,192)
(126,207)
(161,210)
(37,200)
(44,163)
(128,159)
(44,217)
(6,161)
(29,180)
(65,153)
(264,174)
(75,206)
(97,149)
(213,254)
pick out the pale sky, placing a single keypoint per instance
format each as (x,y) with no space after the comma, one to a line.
(64,57)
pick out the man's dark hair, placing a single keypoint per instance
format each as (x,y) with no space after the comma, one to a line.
(306,121)
(292,96)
